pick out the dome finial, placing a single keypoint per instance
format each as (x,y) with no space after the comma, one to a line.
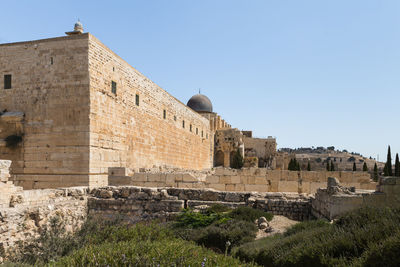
(78,28)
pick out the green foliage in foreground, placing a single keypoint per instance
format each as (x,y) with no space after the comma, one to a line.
(145,246)
(367,237)
(218,227)
(110,242)
(218,214)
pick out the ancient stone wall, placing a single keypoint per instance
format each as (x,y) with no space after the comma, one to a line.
(336,199)
(50,87)
(140,125)
(262,148)
(7,189)
(137,203)
(29,211)
(247,179)
(227,142)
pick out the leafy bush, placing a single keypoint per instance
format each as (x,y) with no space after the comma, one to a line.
(52,243)
(145,247)
(110,242)
(218,225)
(385,253)
(348,241)
(249,214)
(192,219)
(304,226)
(217,235)
(218,208)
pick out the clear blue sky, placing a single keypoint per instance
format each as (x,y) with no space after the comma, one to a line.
(310,73)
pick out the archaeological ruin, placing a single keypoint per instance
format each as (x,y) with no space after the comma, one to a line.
(82,132)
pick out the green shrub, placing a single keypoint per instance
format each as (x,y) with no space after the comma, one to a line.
(249,214)
(52,243)
(346,242)
(304,226)
(217,235)
(191,219)
(218,208)
(146,250)
(385,253)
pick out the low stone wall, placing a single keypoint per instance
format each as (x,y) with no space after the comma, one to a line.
(336,199)
(6,187)
(28,211)
(138,203)
(247,179)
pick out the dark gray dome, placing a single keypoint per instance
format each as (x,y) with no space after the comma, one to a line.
(200,103)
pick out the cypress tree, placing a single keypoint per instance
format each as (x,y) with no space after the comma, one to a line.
(327,166)
(389,171)
(237,161)
(354,167)
(365,167)
(291,166)
(332,167)
(376,175)
(308,166)
(297,166)
(397,166)
(385,170)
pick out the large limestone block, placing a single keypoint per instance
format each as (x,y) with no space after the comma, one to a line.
(140,177)
(293,176)
(156,177)
(230,187)
(288,186)
(239,188)
(188,177)
(191,185)
(260,180)
(235,179)
(212,179)
(314,186)
(225,180)
(220,187)
(256,188)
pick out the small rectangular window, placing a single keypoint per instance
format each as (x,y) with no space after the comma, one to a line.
(174,117)
(137,100)
(190,127)
(197,130)
(51,61)
(114,87)
(7,81)
(202,134)
(164,114)
(183,124)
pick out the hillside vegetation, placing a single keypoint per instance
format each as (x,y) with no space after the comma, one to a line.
(219,236)
(367,237)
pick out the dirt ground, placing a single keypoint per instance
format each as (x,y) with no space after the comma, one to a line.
(279,224)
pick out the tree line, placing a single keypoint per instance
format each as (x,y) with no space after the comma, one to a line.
(294,165)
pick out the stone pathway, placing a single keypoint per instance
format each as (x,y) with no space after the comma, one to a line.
(279,224)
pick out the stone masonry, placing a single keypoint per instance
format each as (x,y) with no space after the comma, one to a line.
(246,179)
(74,126)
